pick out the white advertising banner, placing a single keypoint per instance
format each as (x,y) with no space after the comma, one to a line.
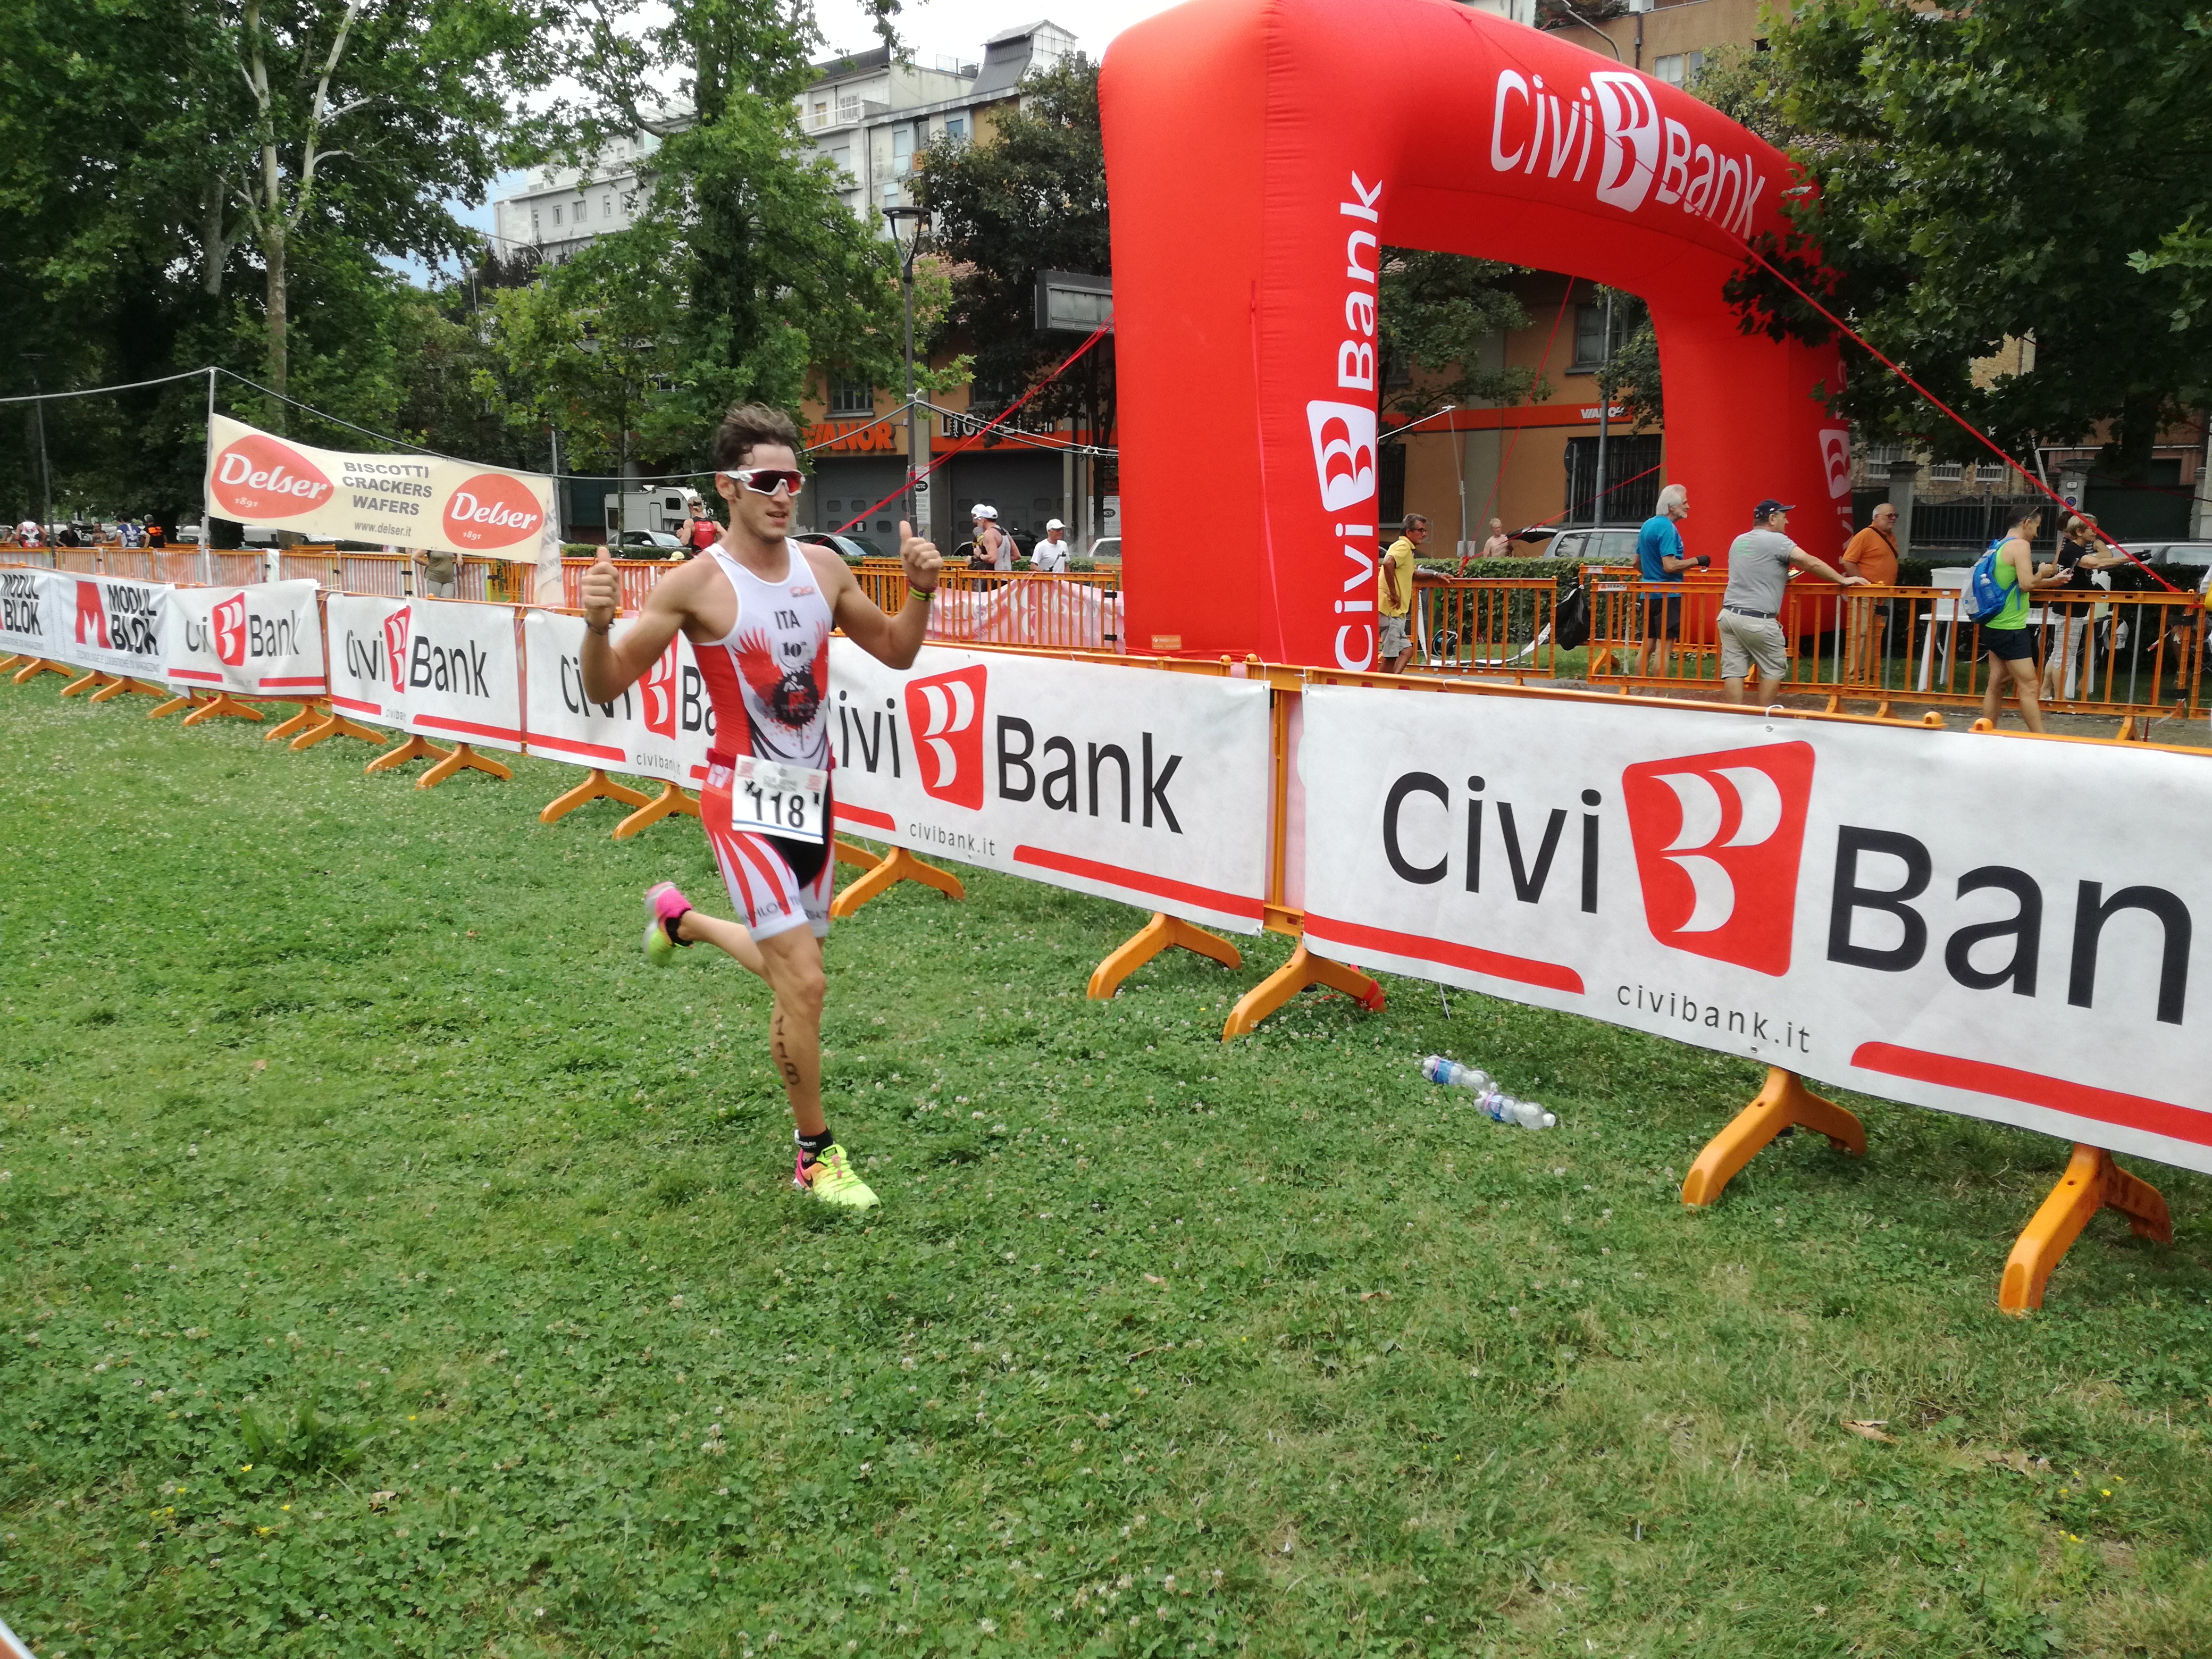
(1135,784)
(109,623)
(1948,918)
(444,669)
(27,625)
(262,640)
(407,500)
(659,727)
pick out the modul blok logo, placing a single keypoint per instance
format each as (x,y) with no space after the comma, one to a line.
(91,616)
(1719,839)
(945,713)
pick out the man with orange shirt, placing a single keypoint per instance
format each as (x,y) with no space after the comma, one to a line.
(1873,555)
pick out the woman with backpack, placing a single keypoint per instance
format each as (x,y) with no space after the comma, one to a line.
(2002,579)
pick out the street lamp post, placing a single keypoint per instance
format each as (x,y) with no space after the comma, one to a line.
(907,225)
(46,472)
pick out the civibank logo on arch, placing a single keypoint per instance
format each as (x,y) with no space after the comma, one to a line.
(1641,154)
(1343,433)
(945,713)
(1718,839)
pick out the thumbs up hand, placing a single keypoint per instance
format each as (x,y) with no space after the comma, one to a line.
(922,560)
(602,592)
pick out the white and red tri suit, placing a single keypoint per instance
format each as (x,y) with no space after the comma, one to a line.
(769,680)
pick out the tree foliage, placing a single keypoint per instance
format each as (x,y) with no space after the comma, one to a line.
(1441,316)
(1029,197)
(1996,171)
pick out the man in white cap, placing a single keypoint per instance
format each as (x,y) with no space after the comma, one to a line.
(994,549)
(1051,553)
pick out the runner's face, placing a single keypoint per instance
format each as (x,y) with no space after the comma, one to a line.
(768,517)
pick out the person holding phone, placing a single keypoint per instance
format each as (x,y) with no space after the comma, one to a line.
(758,607)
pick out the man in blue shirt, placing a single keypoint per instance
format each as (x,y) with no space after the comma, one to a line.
(1660,556)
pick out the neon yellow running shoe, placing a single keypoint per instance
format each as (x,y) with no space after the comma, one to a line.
(831,1179)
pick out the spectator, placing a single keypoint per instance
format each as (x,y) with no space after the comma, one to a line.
(1051,554)
(129,534)
(701,532)
(441,574)
(2005,636)
(1394,593)
(67,536)
(2078,552)
(991,548)
(1750,623)
(27,534)
(1500,545)
(1660,558)
(155,536)
(1872,554)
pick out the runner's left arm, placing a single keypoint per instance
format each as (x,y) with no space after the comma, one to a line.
(893,641)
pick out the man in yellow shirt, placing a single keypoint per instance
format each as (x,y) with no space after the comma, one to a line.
(1394,639)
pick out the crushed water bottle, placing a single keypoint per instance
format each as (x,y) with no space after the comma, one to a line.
(1490,1100)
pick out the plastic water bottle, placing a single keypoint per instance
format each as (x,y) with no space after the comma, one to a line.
(1490,1100)
(1452,1075)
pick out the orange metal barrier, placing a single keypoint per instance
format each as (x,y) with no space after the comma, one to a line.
(1478,625)
(636,577)
(2128,655)
(1079,611)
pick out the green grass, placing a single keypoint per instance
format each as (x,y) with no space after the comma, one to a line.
(348,1136)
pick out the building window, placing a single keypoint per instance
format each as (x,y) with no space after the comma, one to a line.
(890,196)
(852,398)
(1679,68)
(556,215)
(1947,472)
(841,157)
(956,129)
(1989,472)
(1590,336)
(848,109)
(607,205)
(901,148)
(533,222)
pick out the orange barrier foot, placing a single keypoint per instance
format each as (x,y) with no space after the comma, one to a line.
(1302,969)
(34,666)
(596,786)
(221,703)
(461,758)
(852,852)
(2091,1182)
(303,718)
(1783,1102)
(399,754)
(125,687)
(91,682)
(671,800)
(895,866)
(335,724)
(179,699)
(1162,933)
(12,661)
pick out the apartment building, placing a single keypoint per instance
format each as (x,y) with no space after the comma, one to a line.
(558,209)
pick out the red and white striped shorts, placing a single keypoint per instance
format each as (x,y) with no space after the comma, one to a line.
(775,883)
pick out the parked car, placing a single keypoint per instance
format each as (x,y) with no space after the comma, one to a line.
(1611,545)
(1107,550)
(847,547)
(2182,563)
(649,545)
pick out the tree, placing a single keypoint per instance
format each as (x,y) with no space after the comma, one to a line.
(1437,312)
(1989,173)
(1031,197)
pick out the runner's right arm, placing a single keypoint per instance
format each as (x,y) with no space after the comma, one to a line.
(610,668)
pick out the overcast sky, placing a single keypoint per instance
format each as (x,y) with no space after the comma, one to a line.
(951,28)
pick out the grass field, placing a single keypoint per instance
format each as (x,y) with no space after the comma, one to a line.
(391,1262)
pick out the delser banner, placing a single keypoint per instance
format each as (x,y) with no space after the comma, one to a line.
(1135,785)
(659,727)
(264,639)
(443,669)
(1946,919)
(407,501)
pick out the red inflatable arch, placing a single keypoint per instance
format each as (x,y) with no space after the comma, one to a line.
(1258,152)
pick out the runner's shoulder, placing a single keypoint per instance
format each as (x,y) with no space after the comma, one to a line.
(830,570)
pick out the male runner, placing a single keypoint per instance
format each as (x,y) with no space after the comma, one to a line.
(757,609)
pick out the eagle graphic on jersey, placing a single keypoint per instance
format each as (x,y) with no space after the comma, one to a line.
(789,692)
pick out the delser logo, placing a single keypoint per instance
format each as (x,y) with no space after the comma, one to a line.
(258,478)
(492,509)
(1719,839)
(945,714)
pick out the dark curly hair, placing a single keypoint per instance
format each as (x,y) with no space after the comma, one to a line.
(747,426)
